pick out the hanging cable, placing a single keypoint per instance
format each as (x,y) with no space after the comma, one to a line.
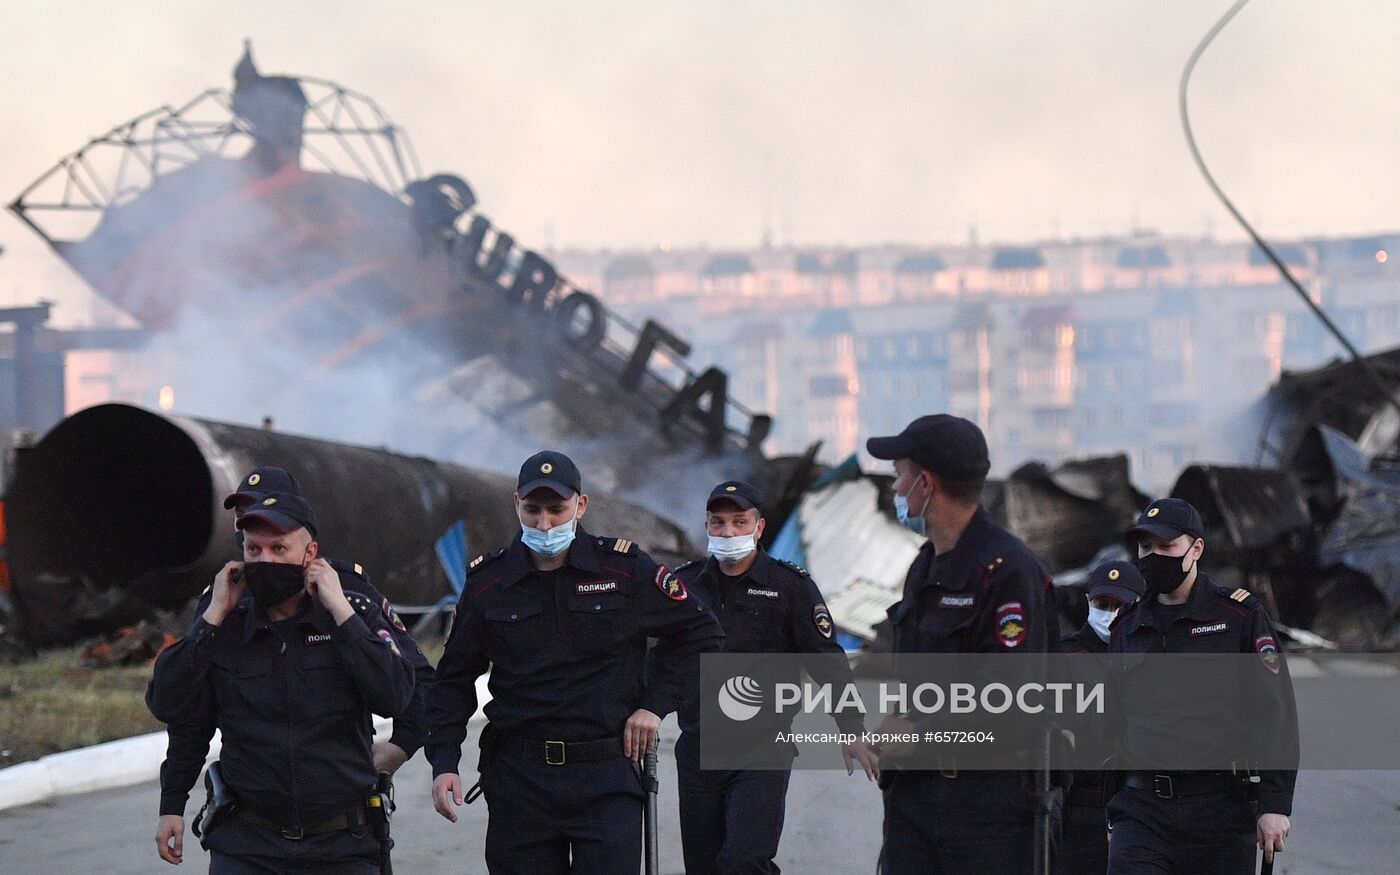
(1366,369)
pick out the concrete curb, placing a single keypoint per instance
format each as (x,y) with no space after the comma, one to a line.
(123,763)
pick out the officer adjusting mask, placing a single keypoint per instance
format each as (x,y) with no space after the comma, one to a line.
(272,583)
(733,549)
(550,542)
(1162,574)
(913,523)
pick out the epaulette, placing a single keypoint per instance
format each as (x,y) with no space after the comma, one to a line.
(793,566)
(992,563)
(487,557)
(1241,595)
(683,566)
(621,545)
(352,567)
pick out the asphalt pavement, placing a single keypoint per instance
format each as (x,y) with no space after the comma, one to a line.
(1344,822)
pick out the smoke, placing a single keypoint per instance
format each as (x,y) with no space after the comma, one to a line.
(308,299)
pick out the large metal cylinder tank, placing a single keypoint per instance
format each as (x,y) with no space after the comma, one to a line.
(118,511)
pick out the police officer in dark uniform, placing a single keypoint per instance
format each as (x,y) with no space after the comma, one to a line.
(291,676)
(973,588)
(731,821)
(410,730)
(1111,587)
(562,619)
(1196,822)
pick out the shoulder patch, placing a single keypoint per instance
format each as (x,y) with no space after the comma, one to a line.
(670,585)
(1010,624)
(793,566)
(622,545)
(1267,648)
(391,616)
(821,618)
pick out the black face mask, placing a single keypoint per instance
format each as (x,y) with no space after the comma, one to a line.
(272,583)
(1162,574)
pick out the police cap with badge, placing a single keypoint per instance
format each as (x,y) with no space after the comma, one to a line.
(948,446)
(285,512)
(1119,579)
(1167,519)
(549,470)
(745,495)
(259,484)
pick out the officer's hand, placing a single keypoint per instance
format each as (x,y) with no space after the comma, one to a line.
(324,584)
(388,756)
(639,735)
(860,752)
(447,793)
(1271,830)
(895,725)
(170,838)
(223,598)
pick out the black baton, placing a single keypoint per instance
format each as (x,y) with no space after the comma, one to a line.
(649,814)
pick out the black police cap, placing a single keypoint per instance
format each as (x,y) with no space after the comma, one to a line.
(1119,578)
(285,512)
(746,495)
(947,445)
(260,483)
(1168,519)
(549,470)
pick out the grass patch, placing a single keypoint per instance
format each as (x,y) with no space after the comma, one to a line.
(53,704)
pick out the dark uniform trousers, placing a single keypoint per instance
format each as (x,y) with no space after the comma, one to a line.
(978,822)
(732,820)
(1084,845)
(241,848)
(541,813)
(1209,834)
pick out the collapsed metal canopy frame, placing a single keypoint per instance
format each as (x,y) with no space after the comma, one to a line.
(345,133)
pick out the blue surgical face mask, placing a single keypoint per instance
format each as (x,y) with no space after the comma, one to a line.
(550,543)
(914,524)
(733,549)
(1100,619)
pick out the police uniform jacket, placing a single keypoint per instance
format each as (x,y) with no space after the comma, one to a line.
(295,714)
(566,648)
(986,595)
(774,607)
(1214,619)
(188,745)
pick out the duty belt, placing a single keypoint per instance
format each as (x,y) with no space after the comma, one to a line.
(355,817)
(1173,785)
(562,753)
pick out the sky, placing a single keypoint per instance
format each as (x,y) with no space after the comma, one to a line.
(636,124)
